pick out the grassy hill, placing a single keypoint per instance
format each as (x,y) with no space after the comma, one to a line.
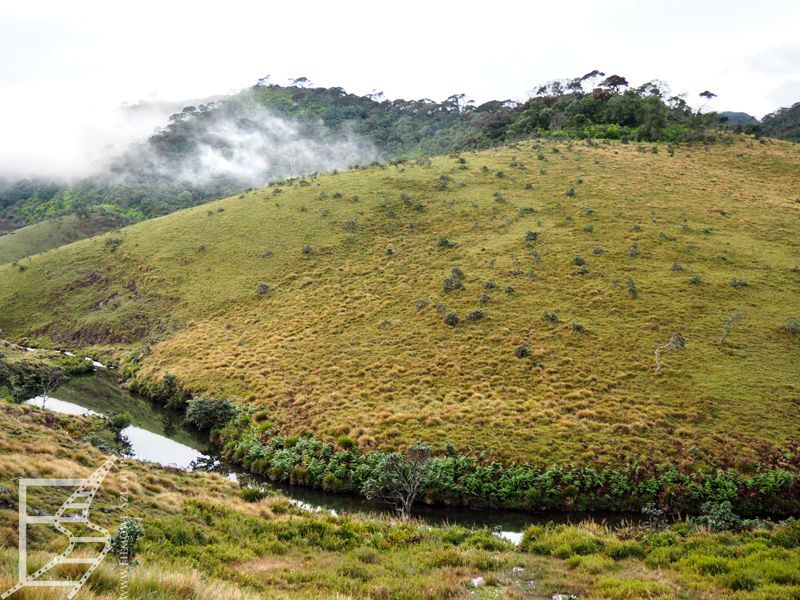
(573,263)
(52,233)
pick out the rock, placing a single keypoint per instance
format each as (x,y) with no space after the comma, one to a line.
(517,570)
(477,582)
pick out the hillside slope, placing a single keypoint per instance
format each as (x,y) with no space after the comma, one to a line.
(52,233)
(627,245)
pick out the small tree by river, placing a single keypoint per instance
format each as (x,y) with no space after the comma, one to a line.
(398,478)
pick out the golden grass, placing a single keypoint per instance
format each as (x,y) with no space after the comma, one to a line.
(337,346)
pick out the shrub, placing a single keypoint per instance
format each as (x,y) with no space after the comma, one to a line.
(597,250)
(445,243)
(619,550)
(571,192)
(695,280)
(451,319)
(252,494)
(522,351)
(531,236)
(738,283)
(476,315)
(718,516)
(123,542)
(577,327)
(550,317)
(632,291)
(489,285)
(452,283)
(307,249)
(484,298)
(204,412)
(262,288)
(633,250)
(421,304)
(509,290)
(345,443)
(117,421)
(676,266)
(578,261)
(792,326)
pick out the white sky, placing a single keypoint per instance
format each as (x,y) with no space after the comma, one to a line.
(67,66)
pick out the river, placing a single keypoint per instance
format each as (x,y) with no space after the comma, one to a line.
(158,435)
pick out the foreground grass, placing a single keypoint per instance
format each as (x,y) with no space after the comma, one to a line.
(349,338)
(204,541)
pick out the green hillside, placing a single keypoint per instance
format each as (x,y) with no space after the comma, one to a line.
(508,302)
(52,233)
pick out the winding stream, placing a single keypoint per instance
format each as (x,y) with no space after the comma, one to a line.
(158,435)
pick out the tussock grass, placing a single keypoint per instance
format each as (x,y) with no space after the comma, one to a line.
(339,346)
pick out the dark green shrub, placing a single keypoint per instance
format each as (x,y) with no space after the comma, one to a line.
(307,249)
(577,327)
(421,304)
(578,261)
(484,298)
(676,266)
(253,494)
(550,317)
(571,192)
(262,288)
(451,284)
(522,351)
(633,250)
(123,542)
(718,516)
(445,243)
(489,285)
(738,283)
(695,280)
(205,412)
(476,315)
(451,319)
(531,236)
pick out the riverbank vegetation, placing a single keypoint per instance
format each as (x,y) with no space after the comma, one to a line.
(204,538)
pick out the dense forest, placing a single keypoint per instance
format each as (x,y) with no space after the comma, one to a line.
(783,123)
(270,132)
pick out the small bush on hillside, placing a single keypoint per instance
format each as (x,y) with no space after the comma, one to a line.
(123,542)
(489,285)
(253,494)
(445,243)
(531,236)
(792,326)
(578,261)
(421,304)
(204,412)
(510,290)
(262,288)
(452,283)
(307,249)
(550,317)
(633,292)
(577,327)
(597,250)
(695,280)
(476,315)
(484,298)
(676,266)
(633,250)
(588,229)
(451,319)
(571,192)
(443,182)
(738,283)
(522,351)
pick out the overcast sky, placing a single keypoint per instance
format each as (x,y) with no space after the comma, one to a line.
(67,66)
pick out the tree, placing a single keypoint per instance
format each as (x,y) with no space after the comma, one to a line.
(49,379)
(614,82)
(398,478)
(709,96)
